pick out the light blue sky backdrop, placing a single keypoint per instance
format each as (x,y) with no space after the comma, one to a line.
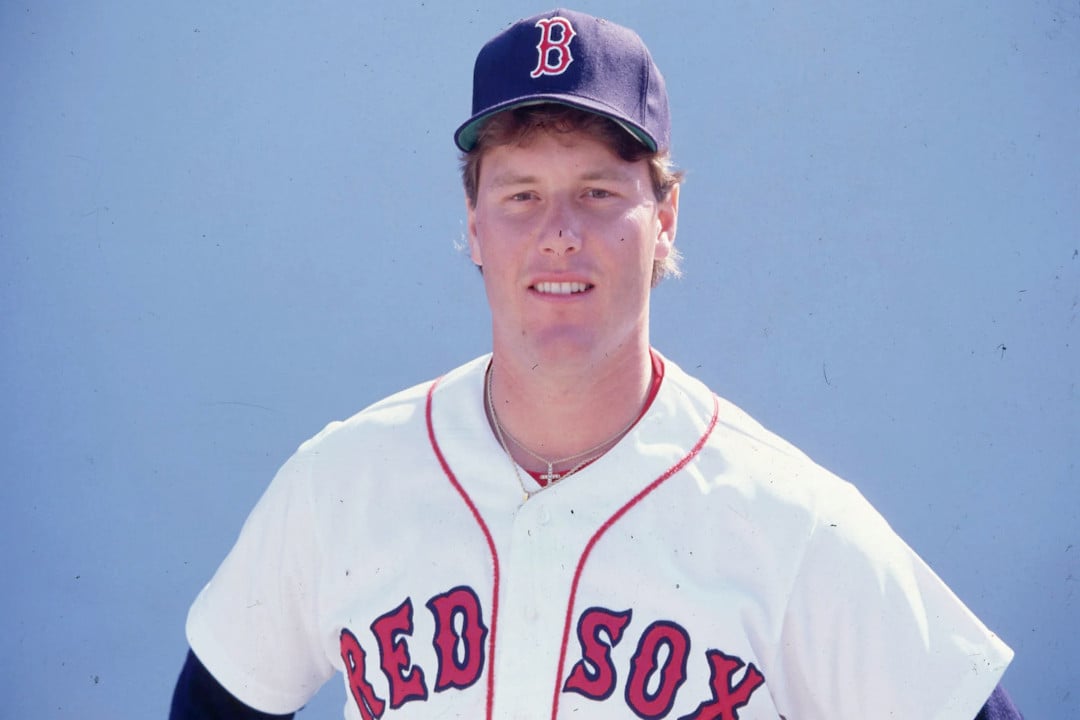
(223,225)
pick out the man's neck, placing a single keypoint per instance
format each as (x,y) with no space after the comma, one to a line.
(559,410)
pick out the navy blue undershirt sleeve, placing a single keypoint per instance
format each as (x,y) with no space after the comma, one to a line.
(199,696)
(999,707)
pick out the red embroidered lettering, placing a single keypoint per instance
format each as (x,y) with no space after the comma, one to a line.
(727,698)
(460,654)
(555,54)
(646,662)
(371,706)
(406,680)
(594,674)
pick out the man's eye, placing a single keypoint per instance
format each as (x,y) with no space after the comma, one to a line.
(598,193)
(521,196)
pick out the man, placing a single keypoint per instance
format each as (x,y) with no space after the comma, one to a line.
(571,526)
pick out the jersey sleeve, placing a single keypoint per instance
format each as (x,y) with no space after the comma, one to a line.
(871,632)
(254,625)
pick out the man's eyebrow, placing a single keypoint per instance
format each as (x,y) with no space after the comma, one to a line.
(609,172)
(505,179)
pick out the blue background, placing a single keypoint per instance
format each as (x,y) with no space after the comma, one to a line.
(223,225)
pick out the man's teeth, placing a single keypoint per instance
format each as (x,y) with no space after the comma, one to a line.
(561,288)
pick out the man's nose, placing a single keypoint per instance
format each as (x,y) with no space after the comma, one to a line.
(560,233)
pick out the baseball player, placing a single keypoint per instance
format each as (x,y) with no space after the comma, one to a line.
(571,526)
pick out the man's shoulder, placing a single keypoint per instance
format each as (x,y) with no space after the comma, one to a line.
(744,447)
(730,416)
(393,412)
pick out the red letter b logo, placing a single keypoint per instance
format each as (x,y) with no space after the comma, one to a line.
(555,54)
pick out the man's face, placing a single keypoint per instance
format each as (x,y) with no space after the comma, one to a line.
(567,233)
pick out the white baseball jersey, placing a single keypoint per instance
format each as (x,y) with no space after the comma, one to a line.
(702,568)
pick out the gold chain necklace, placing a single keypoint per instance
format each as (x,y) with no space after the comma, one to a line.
(551,477)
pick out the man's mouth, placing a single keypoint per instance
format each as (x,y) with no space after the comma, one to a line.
(561,288)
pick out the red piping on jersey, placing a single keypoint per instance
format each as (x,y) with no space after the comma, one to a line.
(491,546)
(607,526)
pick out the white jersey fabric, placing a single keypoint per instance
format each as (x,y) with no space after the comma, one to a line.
(702,568)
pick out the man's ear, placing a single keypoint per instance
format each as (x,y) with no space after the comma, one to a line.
(667,216)
(474,242)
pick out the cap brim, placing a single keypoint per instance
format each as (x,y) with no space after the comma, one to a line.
(466,136)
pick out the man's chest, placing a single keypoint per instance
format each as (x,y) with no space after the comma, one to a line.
(546,612)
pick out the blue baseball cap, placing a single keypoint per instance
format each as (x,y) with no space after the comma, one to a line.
(574,59)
